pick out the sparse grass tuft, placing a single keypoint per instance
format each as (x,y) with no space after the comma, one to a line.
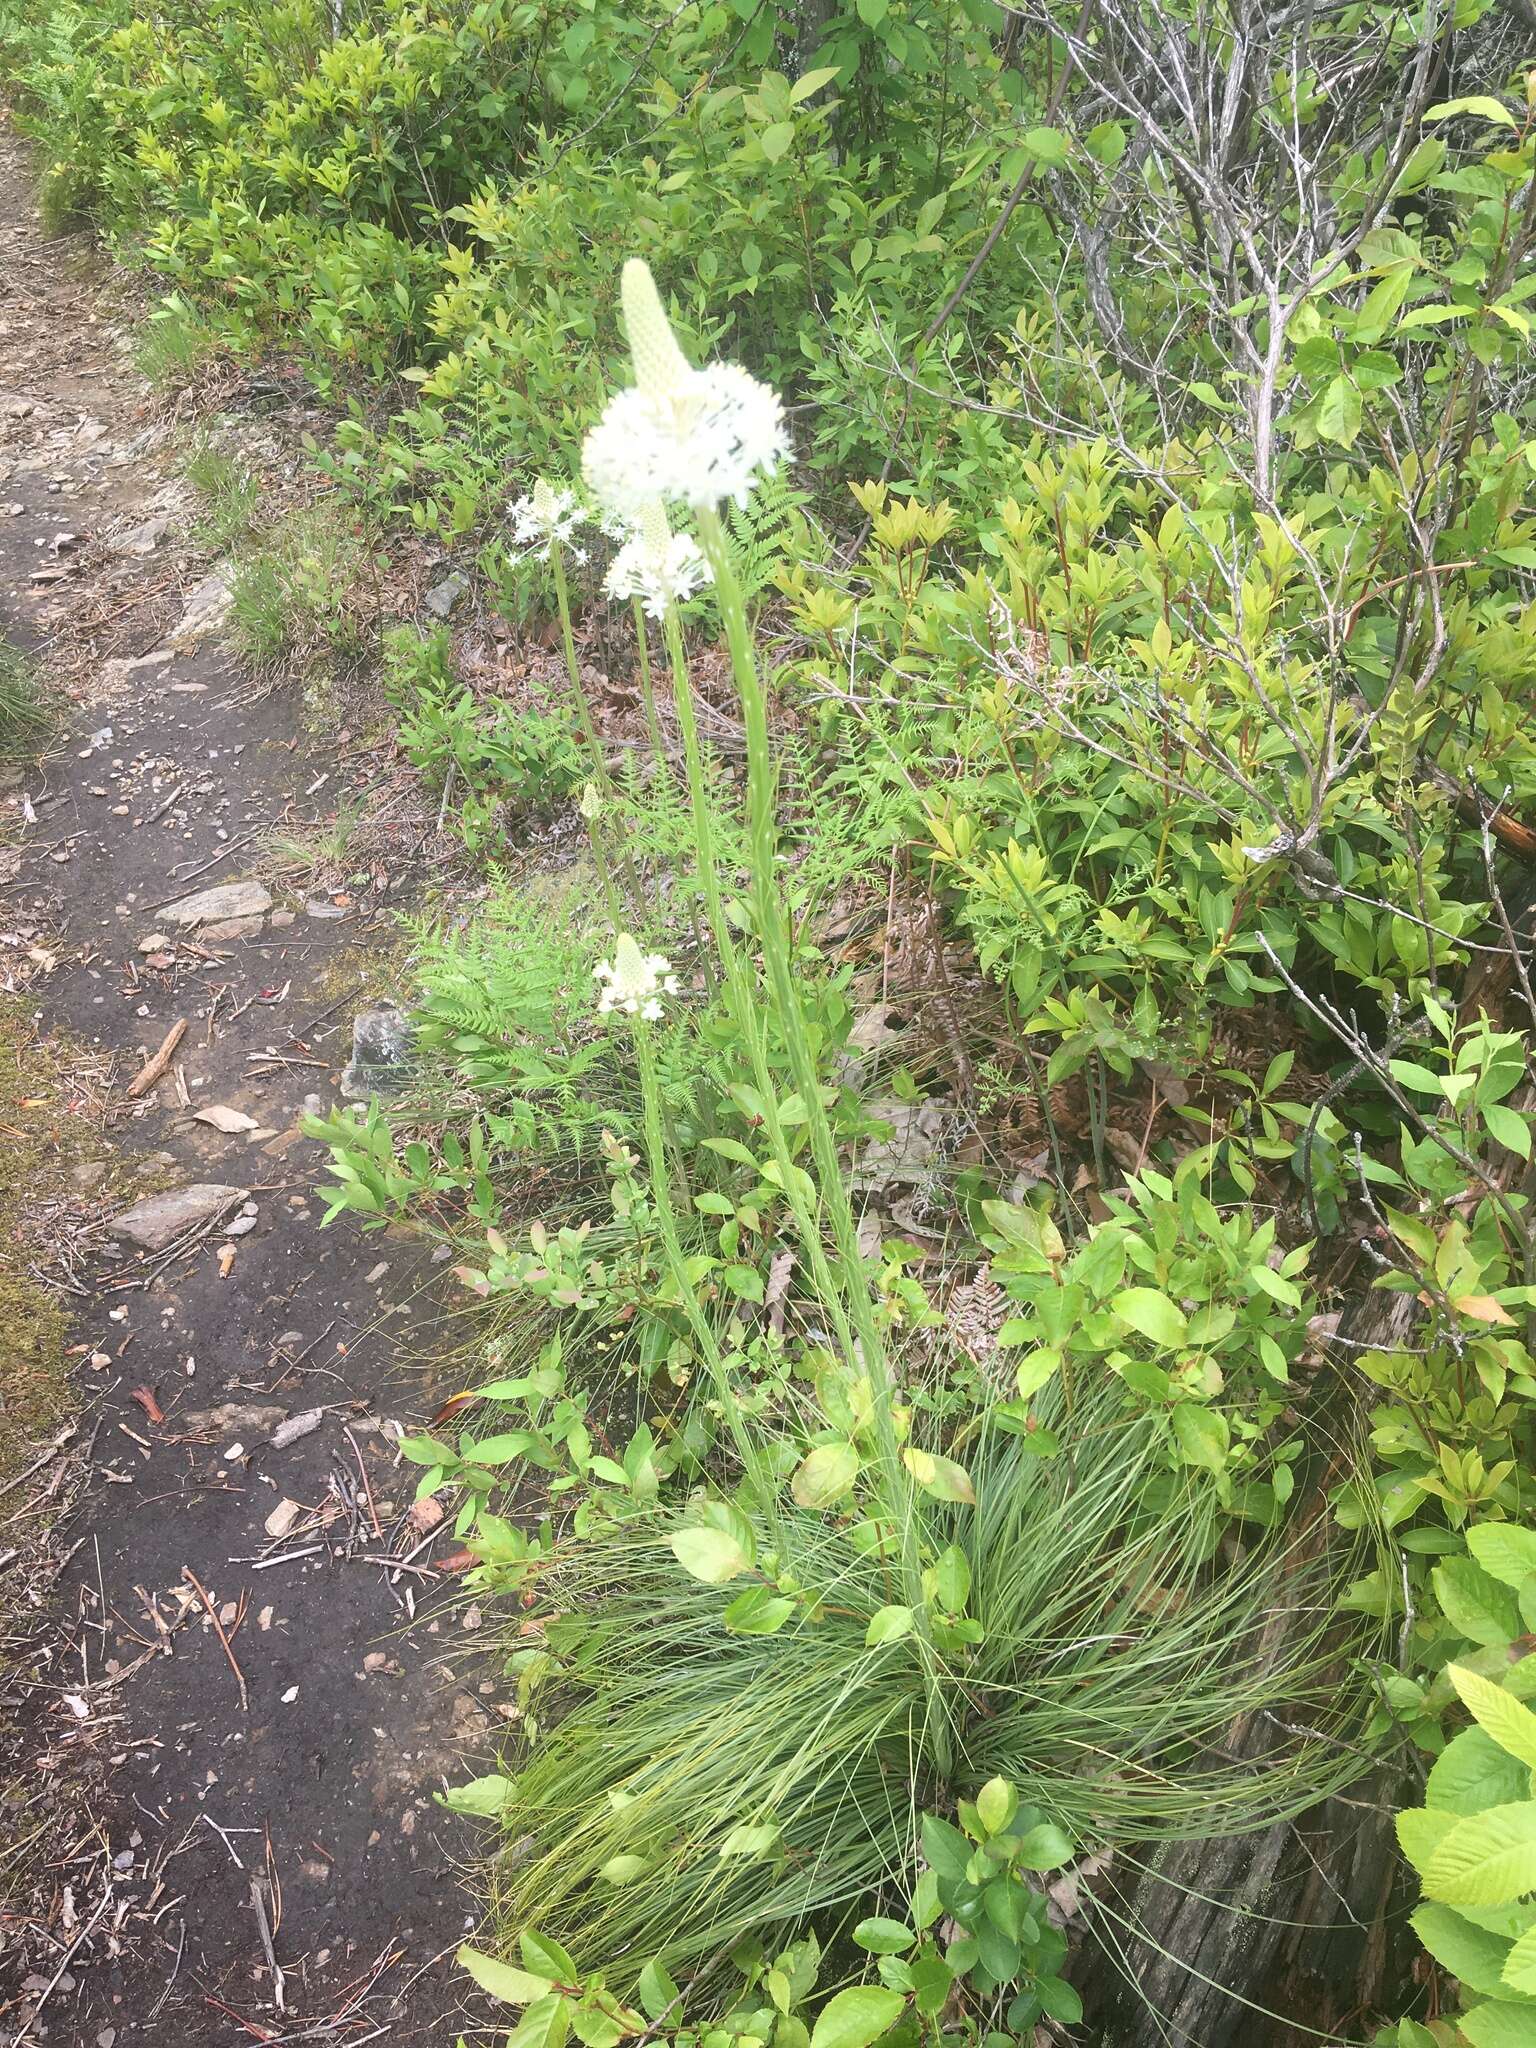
(28,720)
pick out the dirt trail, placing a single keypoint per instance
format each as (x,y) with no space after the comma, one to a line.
(317,1785)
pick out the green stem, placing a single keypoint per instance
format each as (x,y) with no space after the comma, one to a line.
(647,693)
(773,936)
(600,840)
(759,1479)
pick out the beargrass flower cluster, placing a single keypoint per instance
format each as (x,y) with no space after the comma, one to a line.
(659,567)
(548,519)
(634,981)
(682,435)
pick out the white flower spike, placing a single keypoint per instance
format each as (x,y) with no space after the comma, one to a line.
(679,434)
(547,520)
(634,981)
(660,567)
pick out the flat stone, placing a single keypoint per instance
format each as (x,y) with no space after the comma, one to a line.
(232,928)
(161,1219)
(143,540)
(206,609)
(227,900)
(442,597)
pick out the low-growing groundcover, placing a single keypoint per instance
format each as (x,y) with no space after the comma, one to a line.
(999,1180)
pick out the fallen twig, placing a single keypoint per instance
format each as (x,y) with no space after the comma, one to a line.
(200,1590)
(153,1068)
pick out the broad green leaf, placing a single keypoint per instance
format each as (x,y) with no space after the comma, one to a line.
(512,1986)
(1472,1773)
(824,1475)
(1420,1831)
(996,1804)
(656,1990)
(546,1957)
(884,1937)
(1045,1847)
(1203,1436)
(1497,2025)
(1512,1726)
(855,2018)
(810,82)
(1485,1860)
(1505,1551)
(753,1838)
(1047,146)
(888,1625)
(872,12)
(708,1554)
(952,1579)
(484,1797)
(1480,103)
(941,1477)
(544,2025)
(1475,1604)
(1339,414)
(758,1612)
(1035,1370)
(1152,1315)
(945,1848)
(777,139)
(624,1869)
(1519,1966)
(1468,1952)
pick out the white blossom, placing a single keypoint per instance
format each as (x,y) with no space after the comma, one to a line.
(634,981)
(548,519)
(678,434)
(660,567)
(591,802)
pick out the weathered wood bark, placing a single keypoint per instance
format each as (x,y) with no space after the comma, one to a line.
(1273,1938)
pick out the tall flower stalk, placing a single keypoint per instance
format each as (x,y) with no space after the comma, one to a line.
(698,436)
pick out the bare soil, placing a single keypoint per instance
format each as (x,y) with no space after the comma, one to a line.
(234,1737)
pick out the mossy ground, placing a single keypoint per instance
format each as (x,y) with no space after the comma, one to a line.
(43,1137)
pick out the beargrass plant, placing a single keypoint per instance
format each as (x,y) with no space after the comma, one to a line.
(757,1695)
(706,1783)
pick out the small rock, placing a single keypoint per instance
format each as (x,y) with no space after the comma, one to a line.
(282,1517)
(289,1696)
(240,1227)
(155,943)
(206,609)
(143,540)
(317,906)
(228,899)
(161,1219)
(232,928)
(443,597)
(234,1451)
(281,919)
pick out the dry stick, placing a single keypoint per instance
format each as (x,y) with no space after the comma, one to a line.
(154,1068)
(362,1473)
(26,2025)
(197,1586)
(258,1900)
(37,1464)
